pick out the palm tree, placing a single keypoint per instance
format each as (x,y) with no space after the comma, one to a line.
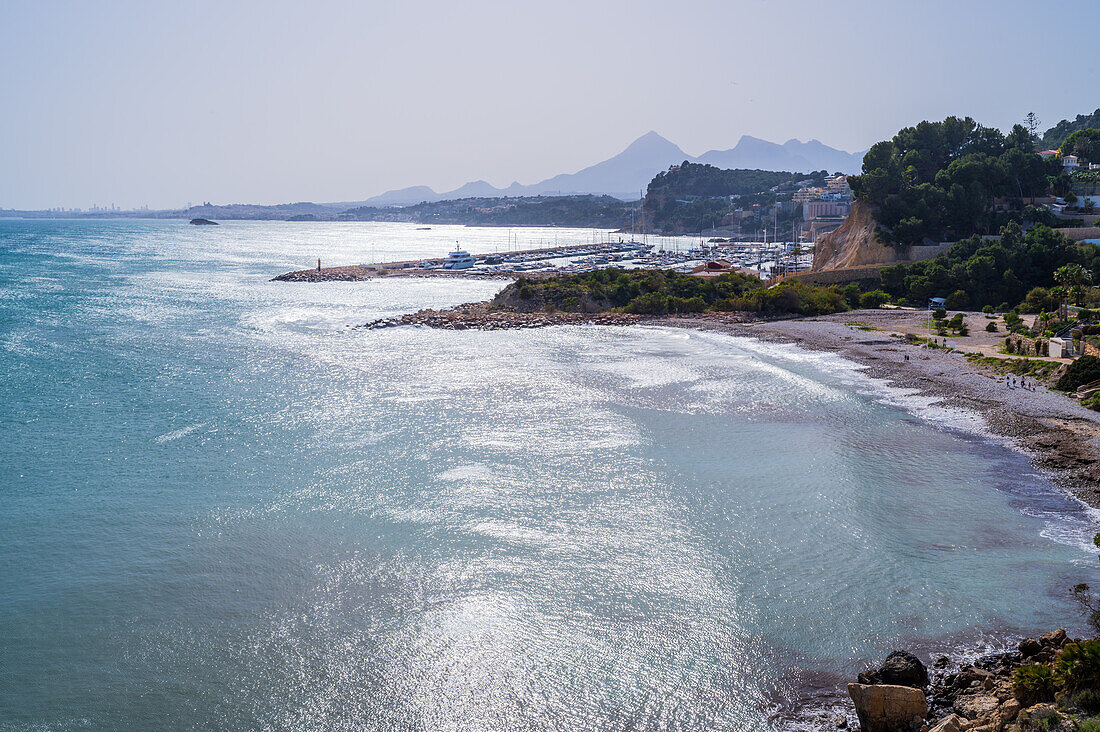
(1073,277)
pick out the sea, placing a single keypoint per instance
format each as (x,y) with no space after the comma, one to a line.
(224,506)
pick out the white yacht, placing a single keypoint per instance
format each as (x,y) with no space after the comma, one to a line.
(459,259)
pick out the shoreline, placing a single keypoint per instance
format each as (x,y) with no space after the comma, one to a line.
(1059,436)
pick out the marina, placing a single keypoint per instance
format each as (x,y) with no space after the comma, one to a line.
(704,258)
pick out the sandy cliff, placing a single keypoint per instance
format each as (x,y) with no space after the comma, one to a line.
(855,243)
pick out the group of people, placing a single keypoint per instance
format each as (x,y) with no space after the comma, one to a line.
(1014,382)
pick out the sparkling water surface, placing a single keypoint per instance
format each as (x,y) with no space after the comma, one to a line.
(225,508)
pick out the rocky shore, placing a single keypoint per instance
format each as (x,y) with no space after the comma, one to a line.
(987,695)
(482,317)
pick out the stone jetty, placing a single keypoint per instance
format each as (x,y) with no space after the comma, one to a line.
(479,317)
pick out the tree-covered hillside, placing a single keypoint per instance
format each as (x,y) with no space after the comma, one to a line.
(940,180)
(1085,144)
(692,196)
(581,211)
(1056,135)
(695,179)
(1006,272)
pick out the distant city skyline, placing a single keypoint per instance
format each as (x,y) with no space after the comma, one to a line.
(134,104)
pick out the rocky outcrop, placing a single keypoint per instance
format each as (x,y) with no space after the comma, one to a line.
(888,708)
(857,243)
(203,222)
(950,723)
(977,697)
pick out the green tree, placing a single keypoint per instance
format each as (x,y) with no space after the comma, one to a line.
(1073,277)
(1032,122)
(1059,132)
(1085,144)
(873,299)
(939,180)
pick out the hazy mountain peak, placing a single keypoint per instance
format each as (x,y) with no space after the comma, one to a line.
(651,142)
(627,174)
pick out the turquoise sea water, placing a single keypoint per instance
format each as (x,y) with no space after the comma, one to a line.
(225,508)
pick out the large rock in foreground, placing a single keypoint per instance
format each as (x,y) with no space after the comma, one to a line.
(888,708)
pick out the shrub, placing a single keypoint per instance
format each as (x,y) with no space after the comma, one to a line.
(991,327)
(1039,299)
(686,305)
(873,300)
(651,303)
(851,295)
(1046,719)
(1088,701)
(988,310)
(1089,725)
(1081,371)
(787,297)
(957,300)
(956,321)
(1077,667)
(939,314)
(1033,683)
(1012,320)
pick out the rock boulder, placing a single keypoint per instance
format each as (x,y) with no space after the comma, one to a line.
(1054,639)
(900,668)
(887,707)
(976,706)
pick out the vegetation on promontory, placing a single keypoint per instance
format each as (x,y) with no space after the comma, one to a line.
(660,292)
(691,197)
(940,181)
(1056,135)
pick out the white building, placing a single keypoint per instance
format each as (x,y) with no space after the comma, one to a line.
(803,195)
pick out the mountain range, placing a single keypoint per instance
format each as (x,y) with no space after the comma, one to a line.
(627,174)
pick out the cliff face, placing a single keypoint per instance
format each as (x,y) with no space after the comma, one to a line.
(855,243)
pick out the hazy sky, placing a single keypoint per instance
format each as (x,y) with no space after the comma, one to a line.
(162,103)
